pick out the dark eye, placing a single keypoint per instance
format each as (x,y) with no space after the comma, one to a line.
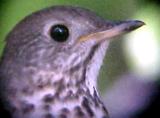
(59,33)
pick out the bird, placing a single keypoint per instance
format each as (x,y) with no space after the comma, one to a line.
(51,61)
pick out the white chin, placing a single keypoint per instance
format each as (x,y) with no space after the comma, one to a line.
(94,67)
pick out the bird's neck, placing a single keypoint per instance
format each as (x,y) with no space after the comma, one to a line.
(62,95)
(78,100)
(70,90)
(52,93)
(77,97)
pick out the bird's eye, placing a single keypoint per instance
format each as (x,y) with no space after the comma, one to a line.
(59,33)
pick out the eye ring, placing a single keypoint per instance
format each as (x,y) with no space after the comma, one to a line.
(59,33)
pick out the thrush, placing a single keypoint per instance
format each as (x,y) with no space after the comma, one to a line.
(51,61)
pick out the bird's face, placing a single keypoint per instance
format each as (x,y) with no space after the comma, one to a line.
(62,37)
(56,52)
(52,37)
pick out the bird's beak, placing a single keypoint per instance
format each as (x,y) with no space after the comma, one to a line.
(116,29)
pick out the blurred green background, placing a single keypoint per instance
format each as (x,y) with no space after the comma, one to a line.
(121,56)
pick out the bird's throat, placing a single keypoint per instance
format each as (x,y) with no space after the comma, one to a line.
(61,99)
(50,93)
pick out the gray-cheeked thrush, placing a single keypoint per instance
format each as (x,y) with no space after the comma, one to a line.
(51,61)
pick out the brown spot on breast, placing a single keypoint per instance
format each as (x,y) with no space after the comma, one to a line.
(40,86)
(27,91)
(83,77)
(59,86)
(104,109)
(86,106)
(27,107)
(69,95)
(43,80)
(80,91)
(57,83)
(65,110)
(48,98)
(104,116)
(79,111)
(49,115)
(62,116)
(46,107)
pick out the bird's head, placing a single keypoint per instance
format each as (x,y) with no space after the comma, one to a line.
(58,45)
(62,39)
